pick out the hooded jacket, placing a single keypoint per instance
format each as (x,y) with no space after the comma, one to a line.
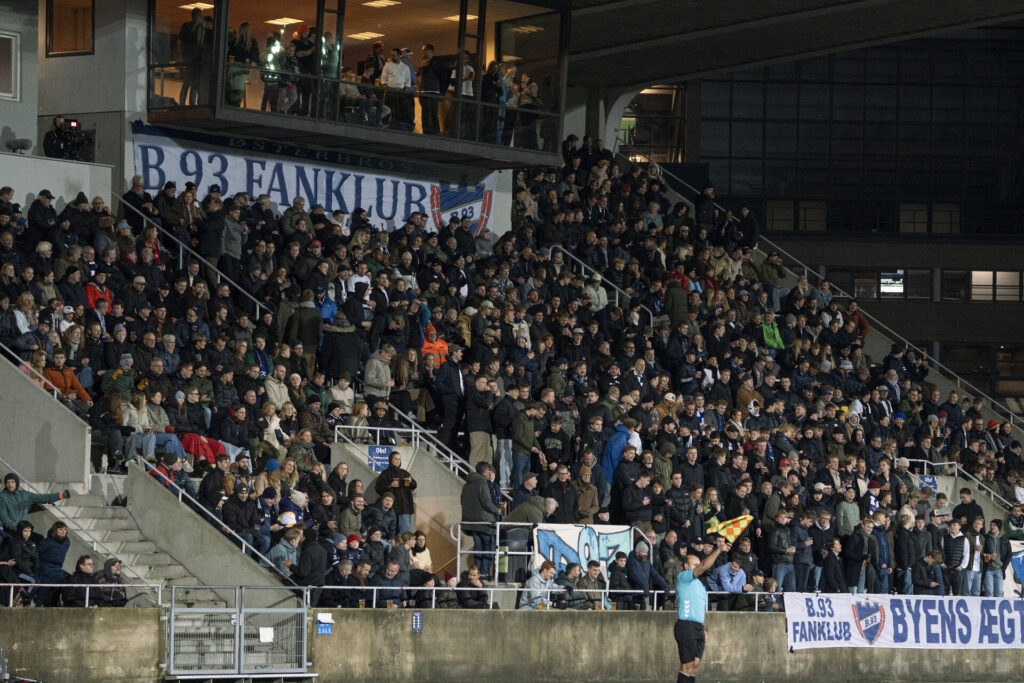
(14,505)
(113,593)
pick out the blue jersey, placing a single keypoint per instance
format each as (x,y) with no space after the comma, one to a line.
(691,597)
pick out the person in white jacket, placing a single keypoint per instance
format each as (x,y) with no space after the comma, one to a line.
(598,295)
(538,589)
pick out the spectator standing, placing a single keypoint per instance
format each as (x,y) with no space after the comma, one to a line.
(401,484)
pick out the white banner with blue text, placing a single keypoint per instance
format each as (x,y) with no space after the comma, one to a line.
(335,180)
(816,620)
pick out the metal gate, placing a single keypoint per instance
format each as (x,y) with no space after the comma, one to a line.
(237,639)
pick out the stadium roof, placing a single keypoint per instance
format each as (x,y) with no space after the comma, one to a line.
(635,43)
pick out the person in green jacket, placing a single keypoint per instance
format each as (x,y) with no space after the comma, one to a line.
(122,379)
(524,442)
(847,513)
(14,503)
(676,305)
(770,330)
(533,511)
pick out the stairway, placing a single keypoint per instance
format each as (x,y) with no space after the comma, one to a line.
(106,530)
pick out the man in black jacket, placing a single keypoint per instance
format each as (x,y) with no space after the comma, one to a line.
(74,596)
(833,579)
(927,574)
(241,516)
(501,423)
(562,490)
(433,81)
(636,502)
(480,401)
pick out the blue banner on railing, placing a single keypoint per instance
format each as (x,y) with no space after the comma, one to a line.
(815,620)
(579,543)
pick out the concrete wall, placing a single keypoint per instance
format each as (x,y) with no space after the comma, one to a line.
(65,179)
(18,118)
(58,644)
(438,496)
(39,437)
(193,541)
(469,646)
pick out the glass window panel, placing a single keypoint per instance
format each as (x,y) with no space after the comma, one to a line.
(918,284)
(981,285)
(69,27)
(10,55)
(946,218)
(955,285)
(748,100)
(780,215)
(714,138)
(781,102)
(1007,286)
(865,285)
(914,218)
(813,216)
(814,102)
(892,284)
(715,98)
(780,140)
(747,139)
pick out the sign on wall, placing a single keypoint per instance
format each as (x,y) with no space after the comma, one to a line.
(817,620)
(377,457)
(335,180)
(579,543)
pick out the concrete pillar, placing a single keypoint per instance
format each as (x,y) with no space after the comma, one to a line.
(595,113)
(937,285)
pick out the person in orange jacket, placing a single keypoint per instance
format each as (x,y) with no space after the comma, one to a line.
(63,379)
(435,346)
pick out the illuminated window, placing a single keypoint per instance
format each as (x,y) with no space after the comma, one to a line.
(69,27)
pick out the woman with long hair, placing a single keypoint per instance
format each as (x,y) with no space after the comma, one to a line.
(33,369)
(25,313)
(360,411)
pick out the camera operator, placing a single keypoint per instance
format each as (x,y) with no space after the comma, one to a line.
(55,142)
(64,141)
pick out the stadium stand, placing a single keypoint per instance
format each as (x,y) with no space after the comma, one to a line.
(613,357)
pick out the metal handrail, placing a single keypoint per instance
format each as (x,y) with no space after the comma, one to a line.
(182,246)
(604,281)
(148,587)
(196,505)
(892,334)
(456,463)
(606,593)
(960,472)
(96,543)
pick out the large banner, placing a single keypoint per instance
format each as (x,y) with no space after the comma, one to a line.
(336,180)
(815,620)
(580,543)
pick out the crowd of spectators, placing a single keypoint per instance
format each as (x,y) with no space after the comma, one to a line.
(711,390)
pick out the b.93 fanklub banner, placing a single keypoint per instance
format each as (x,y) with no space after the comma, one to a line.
(903,621)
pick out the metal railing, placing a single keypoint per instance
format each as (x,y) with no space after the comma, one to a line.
(97,545)
(658,599)
(13,589)
(194,504)
(456,530)
(997,406)
(182,247)
(959,472)
(419,437)
(619,293)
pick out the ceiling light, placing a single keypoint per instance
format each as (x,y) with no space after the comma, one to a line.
(196,5)
(527,29)
(510,58)
(381,3)
(284,21)
(365,35)
(456,17)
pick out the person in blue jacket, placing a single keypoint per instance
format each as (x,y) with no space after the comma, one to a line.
(641,573)
(52,550)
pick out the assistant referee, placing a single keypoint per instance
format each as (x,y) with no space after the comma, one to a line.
(691,602)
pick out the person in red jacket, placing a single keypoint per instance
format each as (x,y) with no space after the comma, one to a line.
(97,289)
(854,313)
